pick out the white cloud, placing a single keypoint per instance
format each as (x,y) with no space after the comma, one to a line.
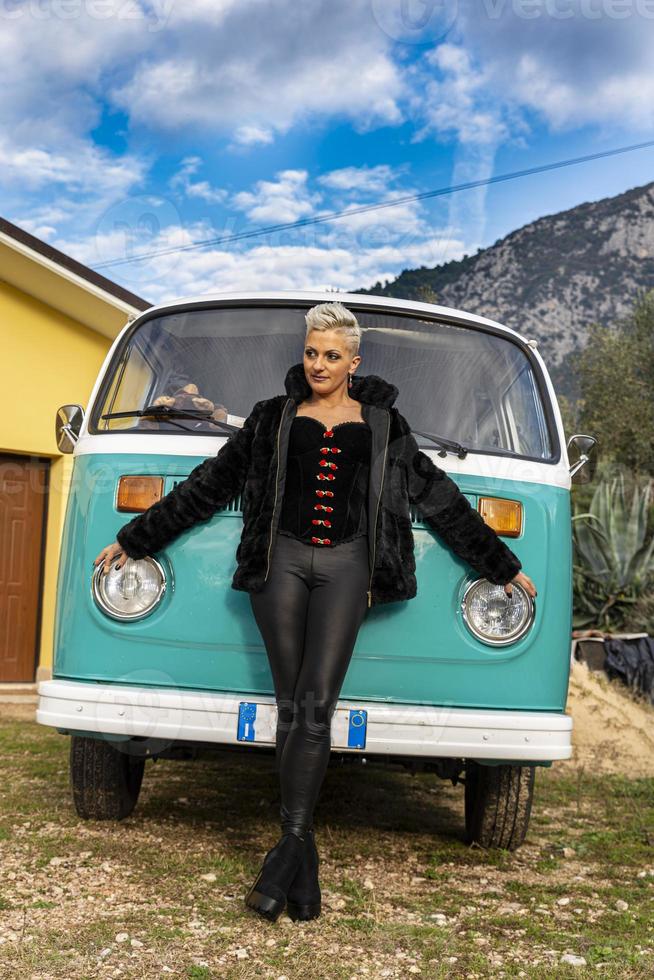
(54,69)
(382,226)
(627,98)
(457,101)
(572,63)
(282,200)
(590,68)
(467,210)
(453,100)
(55,60)
(369,228)
(201,189)
(284,267)
(369,180)
(80,167)
(257,68)
(71,189)
(245,70)
(349,251)
(250,135)
(345,258)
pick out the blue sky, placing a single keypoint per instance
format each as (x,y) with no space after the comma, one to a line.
(132,126)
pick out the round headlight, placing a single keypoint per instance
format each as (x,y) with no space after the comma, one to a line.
(493,616)
(130,592)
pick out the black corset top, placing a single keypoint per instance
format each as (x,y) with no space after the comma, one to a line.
(326,489)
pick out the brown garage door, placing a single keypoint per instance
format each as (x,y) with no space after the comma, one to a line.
(23,497)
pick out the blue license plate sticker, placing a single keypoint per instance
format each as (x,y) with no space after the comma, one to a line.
(247,715)
(356,729)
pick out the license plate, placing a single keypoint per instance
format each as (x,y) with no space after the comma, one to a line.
(257,722)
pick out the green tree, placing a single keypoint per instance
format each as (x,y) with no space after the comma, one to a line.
(569,416)
(425,294)
(616,373)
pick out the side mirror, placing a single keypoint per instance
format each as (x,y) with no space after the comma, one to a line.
(68,422)
(583,457)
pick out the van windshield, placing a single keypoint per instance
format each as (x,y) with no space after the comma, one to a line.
(465,383)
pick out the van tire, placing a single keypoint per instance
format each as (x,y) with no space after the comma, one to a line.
(498,804)
(105,782)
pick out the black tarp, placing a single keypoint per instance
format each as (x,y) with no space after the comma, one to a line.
(632,661)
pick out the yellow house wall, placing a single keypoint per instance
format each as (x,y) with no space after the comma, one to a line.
(49,360)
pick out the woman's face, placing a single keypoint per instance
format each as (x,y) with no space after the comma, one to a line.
(327,360)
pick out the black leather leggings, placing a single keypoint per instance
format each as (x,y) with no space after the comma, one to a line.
(309,613)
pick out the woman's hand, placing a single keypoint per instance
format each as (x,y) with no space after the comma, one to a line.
(524,581)
(109,554)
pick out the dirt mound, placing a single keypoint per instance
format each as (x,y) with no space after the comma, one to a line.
(613,730)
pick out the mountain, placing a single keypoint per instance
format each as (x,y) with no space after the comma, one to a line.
(551,278)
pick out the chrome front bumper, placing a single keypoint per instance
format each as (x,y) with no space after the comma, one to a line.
(364,727)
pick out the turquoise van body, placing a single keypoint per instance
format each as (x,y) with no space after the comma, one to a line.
(425,686)
(202,634)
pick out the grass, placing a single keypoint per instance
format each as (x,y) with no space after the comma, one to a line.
(403,895)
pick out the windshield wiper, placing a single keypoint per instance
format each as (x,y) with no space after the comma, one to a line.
(454,447)
(164,412)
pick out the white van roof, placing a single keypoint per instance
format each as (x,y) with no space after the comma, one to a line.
(315,296)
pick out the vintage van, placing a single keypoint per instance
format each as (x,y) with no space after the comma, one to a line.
(163,659)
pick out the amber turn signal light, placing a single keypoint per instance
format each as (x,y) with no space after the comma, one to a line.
(504,516)
(137,493)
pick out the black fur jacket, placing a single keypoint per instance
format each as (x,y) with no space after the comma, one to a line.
(253,463)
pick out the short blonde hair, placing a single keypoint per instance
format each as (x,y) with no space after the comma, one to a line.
(335,316)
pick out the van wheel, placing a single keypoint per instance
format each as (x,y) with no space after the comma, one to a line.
(105,782)
(498,804)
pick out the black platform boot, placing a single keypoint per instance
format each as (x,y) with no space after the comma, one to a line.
(303,896)
(267,896)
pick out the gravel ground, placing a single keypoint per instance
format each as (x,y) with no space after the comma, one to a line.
(161,893)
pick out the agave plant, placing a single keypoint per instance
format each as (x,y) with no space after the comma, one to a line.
(613,561)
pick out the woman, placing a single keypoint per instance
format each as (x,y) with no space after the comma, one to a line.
(327,476)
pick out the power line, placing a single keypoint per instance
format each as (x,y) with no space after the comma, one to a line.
(334,215)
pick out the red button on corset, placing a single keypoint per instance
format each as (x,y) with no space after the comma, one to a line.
(309,460)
